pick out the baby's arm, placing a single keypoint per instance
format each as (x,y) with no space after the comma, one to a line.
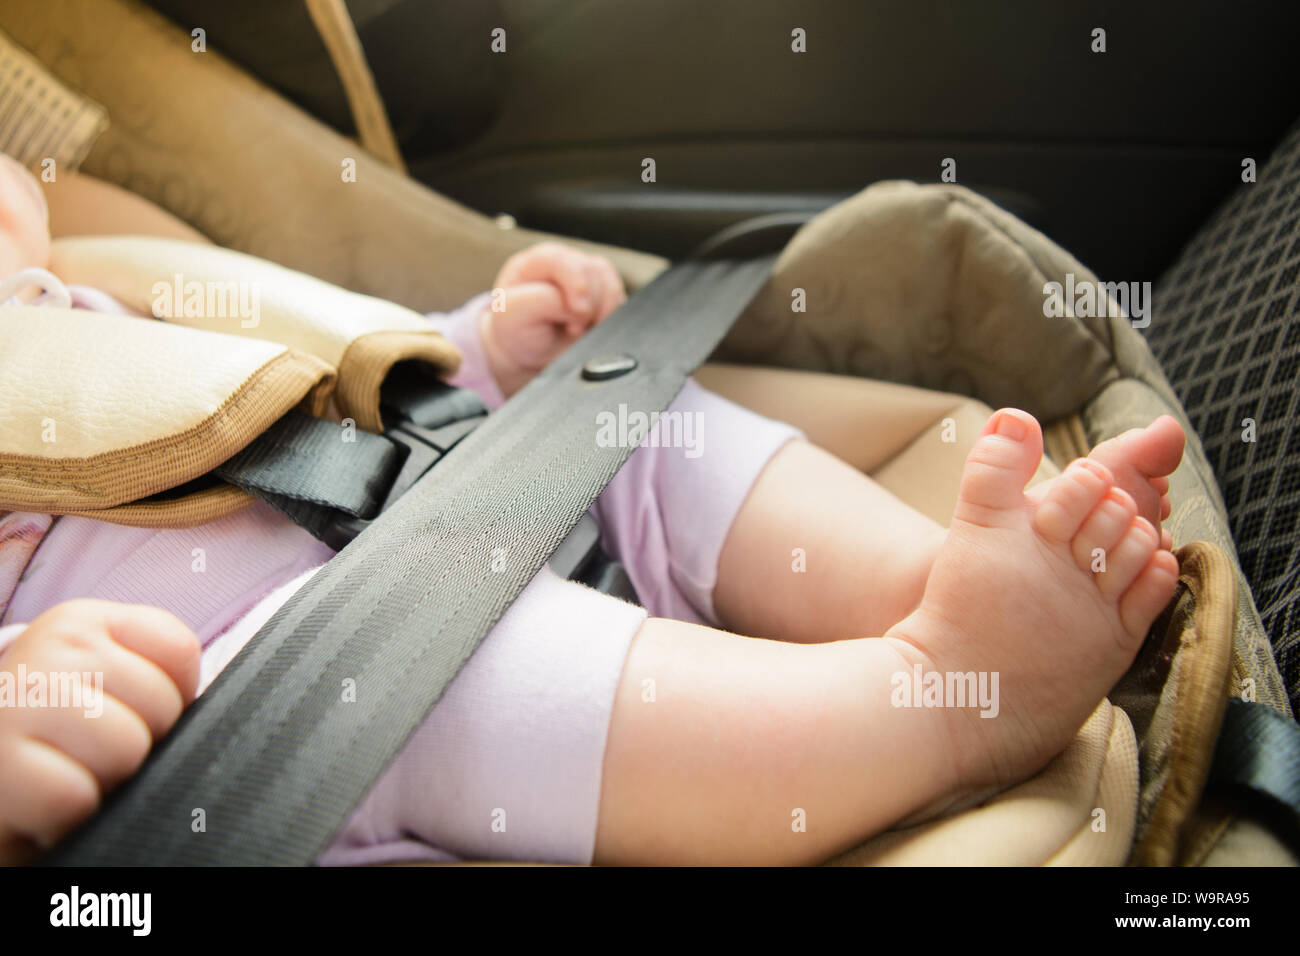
(134,669)
(84,206)
(543,300)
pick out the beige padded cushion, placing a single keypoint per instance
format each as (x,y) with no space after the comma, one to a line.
(40,118)
(358,335)
(930,286)
(135,407)
(1050,819)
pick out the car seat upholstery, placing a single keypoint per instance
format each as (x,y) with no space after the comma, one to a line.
(938,287)
(1226,329)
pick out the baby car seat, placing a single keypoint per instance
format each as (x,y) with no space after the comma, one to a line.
(925,308)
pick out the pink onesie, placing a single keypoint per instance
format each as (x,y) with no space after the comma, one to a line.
(508,764)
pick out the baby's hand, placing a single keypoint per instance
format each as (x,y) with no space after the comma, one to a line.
(134,669)
(550,295)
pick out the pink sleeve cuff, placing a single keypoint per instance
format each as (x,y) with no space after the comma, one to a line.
(461,327)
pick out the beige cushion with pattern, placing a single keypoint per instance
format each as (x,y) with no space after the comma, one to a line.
(99,411)
(236,294)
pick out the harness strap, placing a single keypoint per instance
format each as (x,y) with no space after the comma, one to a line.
(292,733)
(306,468)
(334,480)
(1257,758)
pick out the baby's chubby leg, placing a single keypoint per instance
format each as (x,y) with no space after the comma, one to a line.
(754,529)
(750,527)
(728,749)
(819,551)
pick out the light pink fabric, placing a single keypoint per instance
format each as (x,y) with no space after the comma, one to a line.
(508,764)
(461,328)
(21,533)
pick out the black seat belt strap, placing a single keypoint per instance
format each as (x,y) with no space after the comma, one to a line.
(1257,760)
(292,733)
(333,480)
(315,471)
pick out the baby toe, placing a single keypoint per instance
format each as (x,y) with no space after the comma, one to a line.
(1125,561)
(1147,596)
(998,467)
(1103,529)
(1068,500)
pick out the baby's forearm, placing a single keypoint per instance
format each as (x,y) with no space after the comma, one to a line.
(82,205)
(726,749)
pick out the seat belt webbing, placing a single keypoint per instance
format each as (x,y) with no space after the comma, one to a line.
(293,732)
(304,468)
(1257,757)
(334,480)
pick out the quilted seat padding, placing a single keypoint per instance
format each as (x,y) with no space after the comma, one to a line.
(134,407)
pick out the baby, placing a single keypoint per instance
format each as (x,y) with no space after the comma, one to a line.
(587,729)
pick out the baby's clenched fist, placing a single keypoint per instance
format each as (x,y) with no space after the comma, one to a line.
(543,300)
(93,685)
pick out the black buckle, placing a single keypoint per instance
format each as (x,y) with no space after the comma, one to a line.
(452,412)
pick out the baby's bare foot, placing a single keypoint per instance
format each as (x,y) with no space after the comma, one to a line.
(1054,593)
(1141,460)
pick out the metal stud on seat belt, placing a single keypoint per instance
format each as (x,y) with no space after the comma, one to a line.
(607,367)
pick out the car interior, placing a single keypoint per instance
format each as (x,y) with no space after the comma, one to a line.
(927,172)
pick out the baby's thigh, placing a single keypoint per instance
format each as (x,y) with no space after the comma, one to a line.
(508,763)
(667,512)
(821,552)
